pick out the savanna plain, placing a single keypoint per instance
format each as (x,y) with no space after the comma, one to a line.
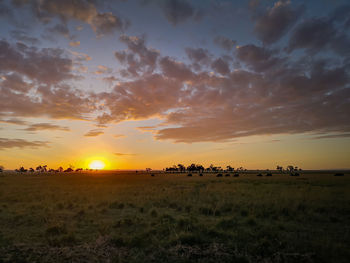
(136,217)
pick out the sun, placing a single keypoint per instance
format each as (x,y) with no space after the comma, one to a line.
(97,165)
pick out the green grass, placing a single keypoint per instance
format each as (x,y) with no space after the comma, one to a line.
(128,217)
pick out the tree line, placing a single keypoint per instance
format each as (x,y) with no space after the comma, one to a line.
(45,169)
(180,168)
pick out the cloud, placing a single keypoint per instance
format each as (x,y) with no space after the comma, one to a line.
(140,99)
(125,154)
(221,66)
(80,56)
(175,69)
(94,133)
(59,30)
(45,126)
(35,64)
(276,21)
(6,143)
(316,34)
(258,58)
(270,94)
(33,83)
(119,136)
(81,10)
(138,58)
(21,35)
(200,57)
(74,43)
(177,11)
(225,43)
(14,121)
(332,136)
(103,70)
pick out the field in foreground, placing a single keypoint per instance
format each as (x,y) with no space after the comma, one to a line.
(129,217)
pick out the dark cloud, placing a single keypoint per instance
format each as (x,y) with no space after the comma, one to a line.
(58,30)
(174,69)
(313,35)
(225,43)
(6,143)
(221,66)
(138,58)
(94,133)
(276,21)
(46,126)
(258,58)
(177,11)
(316,34)
(81,10)
(199,57)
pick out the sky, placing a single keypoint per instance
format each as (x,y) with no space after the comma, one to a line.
(151,83)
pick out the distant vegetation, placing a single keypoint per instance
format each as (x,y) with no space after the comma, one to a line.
(45,169)
(181,168)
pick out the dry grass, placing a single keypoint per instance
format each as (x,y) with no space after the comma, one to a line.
(127,217)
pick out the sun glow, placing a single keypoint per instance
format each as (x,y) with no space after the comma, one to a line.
(97,165)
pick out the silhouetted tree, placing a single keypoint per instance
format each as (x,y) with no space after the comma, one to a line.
(21,170)
(229,168)
(199,168)
(279,168)
(1,168)
(31,170)
(181,168)
(290,168)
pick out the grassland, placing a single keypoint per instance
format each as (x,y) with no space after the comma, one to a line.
(129,217)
